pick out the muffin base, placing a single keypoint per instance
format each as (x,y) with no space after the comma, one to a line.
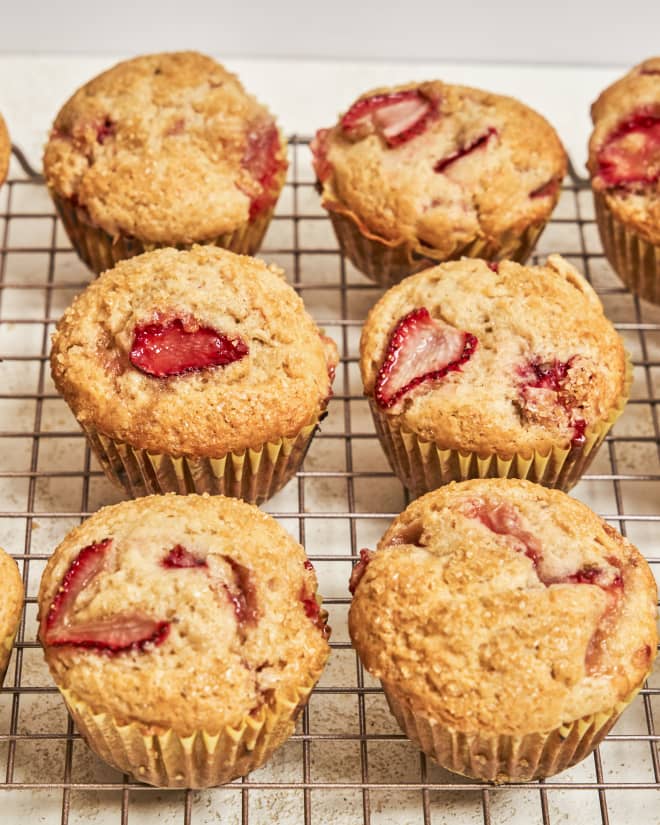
(635,260)
(423,465)
(100,250)
(505,758)
(253,474)
(201,760)
(389,262)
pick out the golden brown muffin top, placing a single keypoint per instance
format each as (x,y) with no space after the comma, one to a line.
(494,358)
(181,612)
(624,149)
(135,354)
(500,606)
(166,147)
(11,603)
(440,165)
(5,150)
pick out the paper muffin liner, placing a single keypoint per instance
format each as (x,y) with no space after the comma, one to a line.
(100,250)
(252,474)
(505,758)
(202,759)
(423,465)
(6,646)
(389,262)
(635,260)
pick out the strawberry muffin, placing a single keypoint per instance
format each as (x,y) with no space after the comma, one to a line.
(11,606)
(476,369)
(430,172)
(624,161)
(194,371)
(185,634)
(164,150)
(509,625)
(5,150)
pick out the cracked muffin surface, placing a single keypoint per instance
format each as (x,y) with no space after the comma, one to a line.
(181,613)
(194,352)
(167,148)
(500,606)
(440,166)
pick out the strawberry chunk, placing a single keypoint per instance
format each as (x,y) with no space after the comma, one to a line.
(420,350)
(503,520)
(162,350)
(397,116)
(262,159)
(630,156)
(546,190)
(179,557)
(477,143)
(242,593)
(319,148)
(360,569)
(115,634)
(544,388)
(105,130)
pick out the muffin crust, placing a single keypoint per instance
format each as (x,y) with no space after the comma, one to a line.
(282,384)
(212,669)
(5,150)
(11,605)
(504,629)
(486,406)
(164,148)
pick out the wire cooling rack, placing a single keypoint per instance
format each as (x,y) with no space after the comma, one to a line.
(348,763)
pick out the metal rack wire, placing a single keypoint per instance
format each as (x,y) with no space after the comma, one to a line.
(347,762)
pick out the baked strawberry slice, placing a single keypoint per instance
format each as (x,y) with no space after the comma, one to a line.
(397,116)
(630,156)
(179,557)
(166,349)
(468,149)
(420,350)
(359,569)
(262,159)
(242,593)
(503,519)
(114,634)
(319,148)
(544,396)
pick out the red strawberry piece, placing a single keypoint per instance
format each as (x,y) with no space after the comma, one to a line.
(420,350)
(308,565)
(105,130)
(179,557)
(166,349)
(359,569)
(504,520)
(115,634)
(477,143)
(397,116)
(543,385)
(546,190)
(311,604)
(630,156)
(320,162)
(242,593)
(262,160)
(494,266)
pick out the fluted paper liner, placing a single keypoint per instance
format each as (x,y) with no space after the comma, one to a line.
(389,262)
(505,758)
(5,654)
(423,465)
(100,250)
(201,760)
(252,474)
(635,260)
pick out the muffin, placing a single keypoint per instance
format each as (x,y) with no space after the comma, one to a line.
(194,371)
(429,172)
(509,625)
(11,606)
(185,635)
(475,369)
(624,161)
(163,150)
(5,150)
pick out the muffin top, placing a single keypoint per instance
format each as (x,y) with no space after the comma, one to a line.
(494,357)
(181,612)
(11,603)
(167,148)
(197,352)
(5,150)
(498,605)
(440,166)
(624,149)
